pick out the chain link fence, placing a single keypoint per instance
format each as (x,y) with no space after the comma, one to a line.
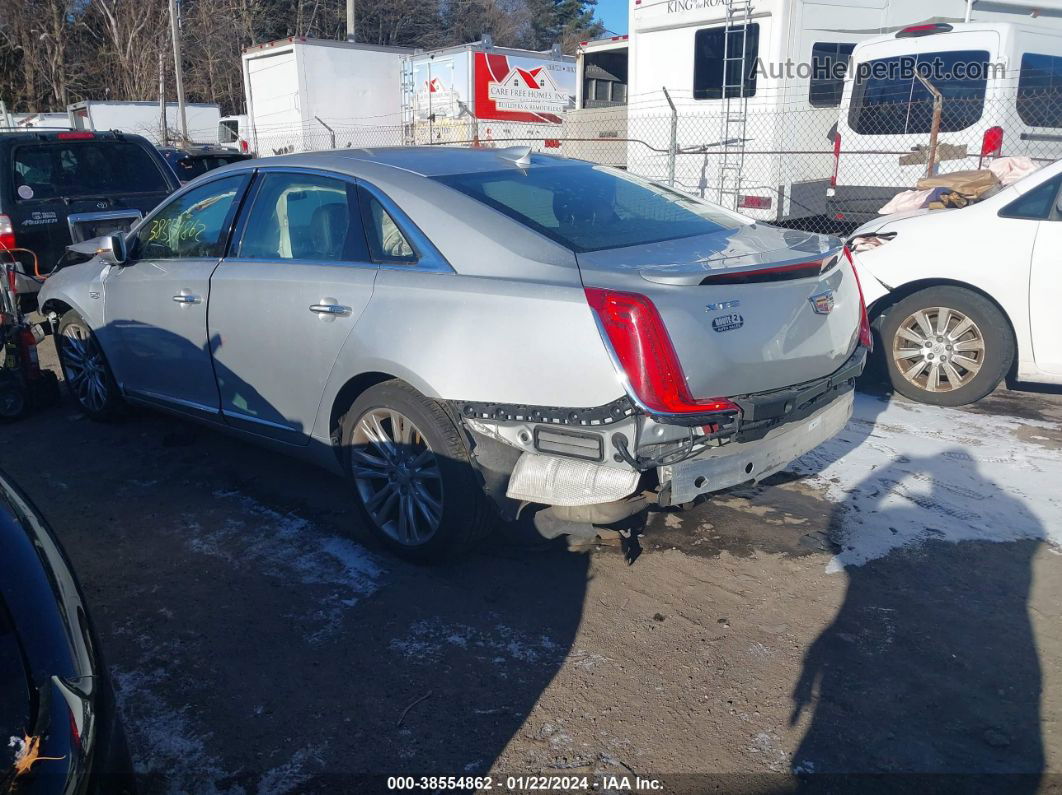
(811,168)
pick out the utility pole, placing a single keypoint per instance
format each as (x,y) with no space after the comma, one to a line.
(175,33)
(351,20)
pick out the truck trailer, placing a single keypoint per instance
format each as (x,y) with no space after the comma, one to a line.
(308,94)
(145,118)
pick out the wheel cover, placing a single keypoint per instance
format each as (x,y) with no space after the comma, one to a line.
(83,367)
(938,349)
(397,476)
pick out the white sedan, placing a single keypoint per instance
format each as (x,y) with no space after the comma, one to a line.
(963,298)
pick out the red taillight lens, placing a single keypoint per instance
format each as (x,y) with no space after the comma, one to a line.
(7,233)
(243,147)
(754,202)
(866,339)
(643,347)
(836,159)
(75,136)
(991,143)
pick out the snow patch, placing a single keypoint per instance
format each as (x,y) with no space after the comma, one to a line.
(905,473)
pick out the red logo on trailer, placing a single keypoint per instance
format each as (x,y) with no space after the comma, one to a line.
(512,93)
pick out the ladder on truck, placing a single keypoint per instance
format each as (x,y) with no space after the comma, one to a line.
(409,118)
(734,117)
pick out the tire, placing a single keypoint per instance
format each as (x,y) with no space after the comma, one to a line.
(959,366)
(390,488)
(88,376)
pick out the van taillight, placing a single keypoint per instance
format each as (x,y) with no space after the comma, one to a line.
(636,333)
(7,233)
(76,136)
(836,158)
(243,146)
(991,144)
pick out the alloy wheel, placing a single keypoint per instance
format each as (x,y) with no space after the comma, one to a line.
(84,368)
(397,476)
(938,349)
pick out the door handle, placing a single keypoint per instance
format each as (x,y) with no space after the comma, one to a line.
(187,299)
(330,309)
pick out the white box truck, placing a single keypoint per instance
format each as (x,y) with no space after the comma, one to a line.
(307,94)
(479,94)
(756,86)
(145,118)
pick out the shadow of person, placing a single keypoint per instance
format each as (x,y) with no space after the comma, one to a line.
(930,666)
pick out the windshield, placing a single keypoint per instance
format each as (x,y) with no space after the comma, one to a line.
(85,168)
(590,208)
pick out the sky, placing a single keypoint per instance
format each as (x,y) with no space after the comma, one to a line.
(614,14)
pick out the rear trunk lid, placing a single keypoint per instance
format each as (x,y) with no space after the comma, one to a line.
(748,310)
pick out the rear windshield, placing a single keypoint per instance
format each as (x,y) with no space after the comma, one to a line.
(591,208)
(189,167)
(889,100)
(84,168)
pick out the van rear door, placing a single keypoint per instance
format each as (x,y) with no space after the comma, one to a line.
(887,114)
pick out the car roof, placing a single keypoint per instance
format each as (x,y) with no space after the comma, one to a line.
(425,161)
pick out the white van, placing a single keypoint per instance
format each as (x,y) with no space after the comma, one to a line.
(232,133)
(756,85)
(1002,95)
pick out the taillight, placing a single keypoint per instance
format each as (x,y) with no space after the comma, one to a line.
(75,136)
(243,146)
(991,144)
(644,350)
(754,202)
(836,158)
(866,339)
(7,233)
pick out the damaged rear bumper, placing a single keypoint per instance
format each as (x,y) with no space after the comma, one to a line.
(743,462)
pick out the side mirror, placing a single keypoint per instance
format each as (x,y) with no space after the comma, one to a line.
(111,249)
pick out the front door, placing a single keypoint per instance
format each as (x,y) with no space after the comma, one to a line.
(283,305)
(156,304)
(1045,286)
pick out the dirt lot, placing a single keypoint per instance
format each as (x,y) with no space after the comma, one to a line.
(892,603)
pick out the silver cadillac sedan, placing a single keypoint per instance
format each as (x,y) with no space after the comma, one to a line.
(467,332)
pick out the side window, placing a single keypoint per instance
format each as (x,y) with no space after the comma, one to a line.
(387,242)
(715,61)
(829,64)
(194,224)
(304,217)
(1040,90)
(1037,204)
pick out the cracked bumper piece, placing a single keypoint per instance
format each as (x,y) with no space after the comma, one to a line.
(561,481)
(736,463)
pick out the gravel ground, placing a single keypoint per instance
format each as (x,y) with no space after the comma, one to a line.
(889,604)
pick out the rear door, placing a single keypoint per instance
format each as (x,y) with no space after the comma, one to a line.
(1045,282)
(887,114)
(287,299)
(78,187)
(155,308)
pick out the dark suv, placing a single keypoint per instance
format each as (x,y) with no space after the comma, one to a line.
(62,187)
(191,161)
